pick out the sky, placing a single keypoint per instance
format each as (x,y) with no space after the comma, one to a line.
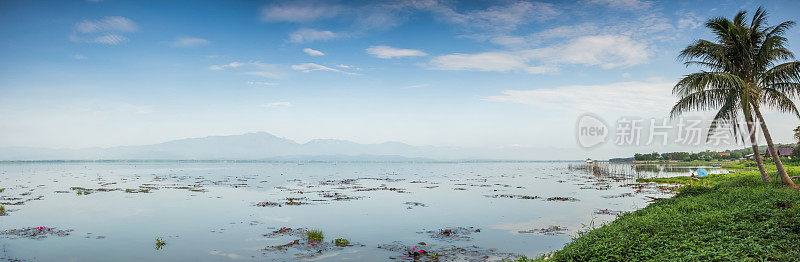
(492,74)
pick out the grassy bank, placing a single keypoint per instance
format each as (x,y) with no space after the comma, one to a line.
(726,217)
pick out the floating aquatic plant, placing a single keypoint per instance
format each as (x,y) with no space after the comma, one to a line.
(341,242)
(160,243)
(2,210)
(315,235)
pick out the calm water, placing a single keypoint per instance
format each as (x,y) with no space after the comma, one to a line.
(210,212)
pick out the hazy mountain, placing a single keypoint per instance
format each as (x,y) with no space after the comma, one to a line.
(265,146)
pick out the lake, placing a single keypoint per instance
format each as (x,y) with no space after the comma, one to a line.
(243,211)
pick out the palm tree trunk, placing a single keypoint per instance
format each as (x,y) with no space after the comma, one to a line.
(748,118)
(774,153)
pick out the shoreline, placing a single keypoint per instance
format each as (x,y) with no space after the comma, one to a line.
(722,217)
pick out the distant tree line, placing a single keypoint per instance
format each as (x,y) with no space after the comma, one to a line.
(686,156)
(704,156)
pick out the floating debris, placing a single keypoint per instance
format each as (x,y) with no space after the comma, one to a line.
(309,248)
(40,232)
(452,234)
(290,201)
(513,196)
(567,199)
(411,205)
(550,231)
(619,196)
(607,212)
(448,253)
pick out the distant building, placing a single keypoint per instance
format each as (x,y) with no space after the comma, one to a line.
(783,151)
(724,154)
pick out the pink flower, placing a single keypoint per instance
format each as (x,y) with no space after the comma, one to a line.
(313,244)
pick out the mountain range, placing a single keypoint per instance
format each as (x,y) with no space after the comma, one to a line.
(265,146)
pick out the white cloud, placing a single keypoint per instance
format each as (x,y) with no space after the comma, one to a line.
(606,51)
(417,86)
(250,68)
(298,12)
(313,52)
(189,42)
(106,24)
(653,97)
(279,104)
(488,61)
(106,30)
(310,67)
(391,52)
(231,65)
(310,35)
(260,83)
(109,39)
(348,67)
(496,18)
(632,5)
(78,56)
(689,20)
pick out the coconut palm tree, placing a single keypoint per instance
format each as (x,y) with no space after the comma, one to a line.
(797,134)
(742,76)
(775,83)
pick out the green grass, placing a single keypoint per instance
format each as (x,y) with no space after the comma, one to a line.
(315,235)
(725,217)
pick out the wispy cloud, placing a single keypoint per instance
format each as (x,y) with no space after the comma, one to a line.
(391,52)
(261,83)
(622,97)
(278,104)
(106,24)
(488,61)
(689,20)
(107,30)
(250,68)
(305,35)
(313,52)
(417,86)
(78,56)
(298,12)
(605,51)
(632,5)
(189,42)
(310,67)
(495,18)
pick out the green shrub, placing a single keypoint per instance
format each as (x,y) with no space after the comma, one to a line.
(160,243)
(315,235)
(341,242)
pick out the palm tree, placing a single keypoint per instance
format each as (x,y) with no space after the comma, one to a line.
(797,134)
(742,75)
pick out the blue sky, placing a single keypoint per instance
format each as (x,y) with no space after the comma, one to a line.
(474,74)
